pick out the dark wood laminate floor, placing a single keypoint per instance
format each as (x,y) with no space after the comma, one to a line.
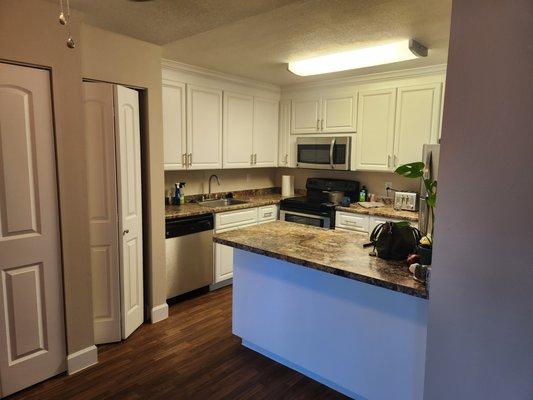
(191,355)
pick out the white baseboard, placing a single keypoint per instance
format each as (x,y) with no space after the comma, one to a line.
(82,359)
(159,313)
(219,285)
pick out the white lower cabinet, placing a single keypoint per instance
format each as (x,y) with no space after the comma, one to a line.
(361,222)
(231,220)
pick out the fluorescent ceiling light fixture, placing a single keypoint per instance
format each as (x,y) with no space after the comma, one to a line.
(403,50)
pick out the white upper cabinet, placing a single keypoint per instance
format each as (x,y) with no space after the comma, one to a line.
(305,115)
(330,113)
(284,133)
(174,127)
(375,137)
(204,127)
(265,133)
(338,113)
(417,121)
(238,130)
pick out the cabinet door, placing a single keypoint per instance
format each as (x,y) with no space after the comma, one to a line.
(265,138)
(375,130)
(204,127)
(339,113)
(284,133)
(305,115)
(174,127)
(223,262)
(417,121)
(238,130)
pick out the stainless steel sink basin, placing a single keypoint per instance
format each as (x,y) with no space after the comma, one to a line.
(221,202)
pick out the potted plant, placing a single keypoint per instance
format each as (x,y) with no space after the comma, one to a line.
(415,171)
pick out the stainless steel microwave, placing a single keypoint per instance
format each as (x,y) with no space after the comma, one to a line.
(323,152)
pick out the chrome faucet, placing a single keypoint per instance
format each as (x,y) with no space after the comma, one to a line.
(210,178)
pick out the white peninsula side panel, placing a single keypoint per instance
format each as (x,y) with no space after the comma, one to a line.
(365,341)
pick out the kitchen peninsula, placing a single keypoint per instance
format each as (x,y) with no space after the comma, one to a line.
(315,300)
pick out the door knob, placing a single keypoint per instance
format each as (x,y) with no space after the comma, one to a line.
(125,231)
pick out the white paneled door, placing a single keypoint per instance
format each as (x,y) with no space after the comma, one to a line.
(103,213)
(130,207)
(32,333)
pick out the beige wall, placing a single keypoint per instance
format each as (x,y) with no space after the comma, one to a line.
(111,57)
(30,33)
(230,180)
(374,181)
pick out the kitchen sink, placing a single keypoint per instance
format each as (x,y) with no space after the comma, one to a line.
(221,202)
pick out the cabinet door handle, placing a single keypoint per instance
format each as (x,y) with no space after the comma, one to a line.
(322,124)
(388,161)
(318,124)
(252,159)
(255,158)
(190,159)
(395,160)
(268,214)
(286,159)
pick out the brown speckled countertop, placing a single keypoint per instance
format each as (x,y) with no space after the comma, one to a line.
(388,211)
(332,251)
(192,209)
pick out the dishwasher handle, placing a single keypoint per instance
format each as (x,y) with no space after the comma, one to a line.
(188,226)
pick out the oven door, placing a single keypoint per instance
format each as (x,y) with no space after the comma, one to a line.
(305,219)
(323,152)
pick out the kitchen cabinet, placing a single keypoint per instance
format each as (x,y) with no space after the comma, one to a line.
(265,133)
(375,129)
(250,131)
(361,222)
(238,130)
(330,113)
(174,126)
(204,127)
(284,145)
(338,113)
(231,220)
(417,121)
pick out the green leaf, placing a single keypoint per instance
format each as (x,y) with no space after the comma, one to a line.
(431,199)
(412,170)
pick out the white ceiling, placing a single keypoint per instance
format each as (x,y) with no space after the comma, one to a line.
(256,38)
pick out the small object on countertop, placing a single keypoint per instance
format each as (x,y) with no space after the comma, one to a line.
(413,258)
(176,193)
(346,201)
(421,272)
(371,204)
(362,194)
(372,197)
(412,267)
(182,192)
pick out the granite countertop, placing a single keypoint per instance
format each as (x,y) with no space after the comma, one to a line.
(332,251)
(192,209)
(387,211)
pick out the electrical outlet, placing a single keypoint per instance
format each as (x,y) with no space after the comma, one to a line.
(388,185)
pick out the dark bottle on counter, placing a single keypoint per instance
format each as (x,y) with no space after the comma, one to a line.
(363,193)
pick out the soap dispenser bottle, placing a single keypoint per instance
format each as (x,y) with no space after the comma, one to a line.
(182,192)
(177,193)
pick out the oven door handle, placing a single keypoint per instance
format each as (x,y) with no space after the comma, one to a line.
(331,148)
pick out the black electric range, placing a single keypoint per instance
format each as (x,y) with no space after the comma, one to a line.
(315,209)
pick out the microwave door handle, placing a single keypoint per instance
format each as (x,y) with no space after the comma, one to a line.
(331,147)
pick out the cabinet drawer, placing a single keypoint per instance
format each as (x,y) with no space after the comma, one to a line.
(236,218)
(267,213)
(354,222)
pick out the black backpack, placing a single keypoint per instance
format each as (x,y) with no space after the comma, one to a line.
(395,240)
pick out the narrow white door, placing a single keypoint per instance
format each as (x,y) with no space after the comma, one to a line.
(284,133)
(417,121)
(305,115)
(204,127)
(32,332)
(338,113)
(174,125)
(127,134)
(375,130)
(265,141)
(103,214)
(238,130)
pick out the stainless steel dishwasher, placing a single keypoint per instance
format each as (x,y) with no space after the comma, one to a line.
(189,254)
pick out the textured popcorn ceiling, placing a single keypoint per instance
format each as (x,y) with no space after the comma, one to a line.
(256,38)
